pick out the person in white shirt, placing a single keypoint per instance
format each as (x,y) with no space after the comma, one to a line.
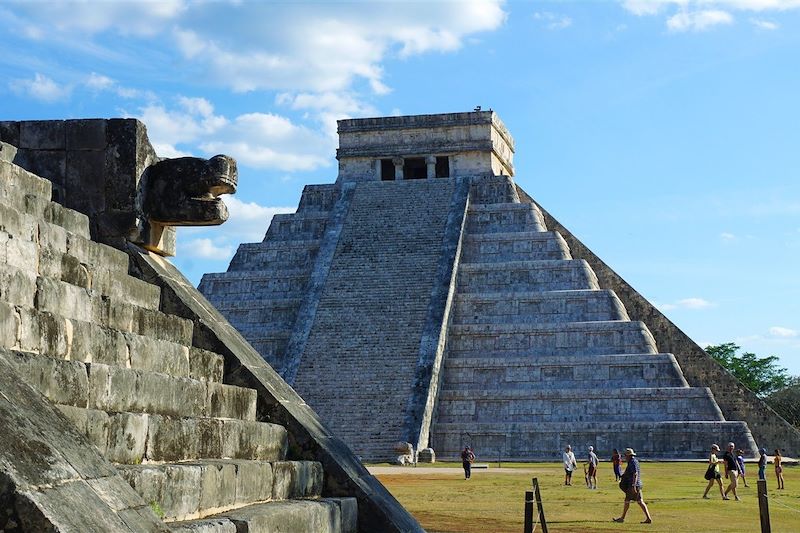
(591,475)
(569,464)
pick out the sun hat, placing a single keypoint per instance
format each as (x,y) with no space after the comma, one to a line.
(629,451)
(591,448)
(762,451)
(714,447)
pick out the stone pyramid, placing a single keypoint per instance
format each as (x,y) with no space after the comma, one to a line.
(425,299)
(127,402)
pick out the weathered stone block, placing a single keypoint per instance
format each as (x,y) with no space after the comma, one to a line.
(228,401)
(89,134)
(157,355)
(43,134)
(297,479)
(254,481)
(128,437)
(205,365)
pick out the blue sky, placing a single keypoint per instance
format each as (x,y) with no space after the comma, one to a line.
(664,134)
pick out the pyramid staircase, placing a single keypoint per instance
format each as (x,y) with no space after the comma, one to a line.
(263,290)
(92,340)
(538,356)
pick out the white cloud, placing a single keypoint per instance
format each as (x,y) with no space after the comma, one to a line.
(727,237)
(764,24)
(778,331)
(698,15)
(553,21)
(698,20)
(124,17)
(259,140)
(40,88)
(98,82)
(205,248)
(687,303)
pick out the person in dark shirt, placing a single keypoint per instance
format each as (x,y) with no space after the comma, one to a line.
(762,464)
(632,484)
(731,470)
(467,457)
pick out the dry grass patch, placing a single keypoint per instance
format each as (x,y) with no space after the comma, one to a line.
(492,501)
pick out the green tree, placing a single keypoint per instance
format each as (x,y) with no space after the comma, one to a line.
(762,375)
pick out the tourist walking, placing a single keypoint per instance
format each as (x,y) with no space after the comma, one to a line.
(731,470)
(712,473)
(591,476)
(467,458)
(632,485)
(778,460)
(740,463)
(615,461)
(570,464)
(762,464)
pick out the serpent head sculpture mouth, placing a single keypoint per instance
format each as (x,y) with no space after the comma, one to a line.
(185,191)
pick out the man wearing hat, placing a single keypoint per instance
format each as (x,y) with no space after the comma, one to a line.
(632,485)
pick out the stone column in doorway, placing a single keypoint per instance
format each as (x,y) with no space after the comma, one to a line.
(377,169)
(430,161)
(398,168)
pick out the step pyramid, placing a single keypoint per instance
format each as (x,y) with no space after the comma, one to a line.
(408,304)
(128,402)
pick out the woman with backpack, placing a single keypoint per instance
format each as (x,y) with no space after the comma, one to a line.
(712,473)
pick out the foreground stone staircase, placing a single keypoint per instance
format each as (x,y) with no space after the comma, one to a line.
(93,340)
(538,356)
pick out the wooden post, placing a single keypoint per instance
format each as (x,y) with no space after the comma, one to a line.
(528,527)
(539,504)
(763,506)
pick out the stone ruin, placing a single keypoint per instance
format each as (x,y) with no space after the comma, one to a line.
(425,298)
(127,402)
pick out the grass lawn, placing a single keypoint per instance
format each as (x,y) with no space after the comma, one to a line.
(492,501)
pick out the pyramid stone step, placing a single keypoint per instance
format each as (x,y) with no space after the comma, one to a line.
(526,276)
(504,218)
(70,301)
(223,286)
(592,405)
(493,189)
(63,338)
(279,313)
(205,365)
(115,389)
(514,246)
(134,438)
(16,184)
(318,197)
(267,341)
(308,225)
(324,515)
(538,307)
(575,338)
(201,488)
(274,255)
(527,441)
(564,372)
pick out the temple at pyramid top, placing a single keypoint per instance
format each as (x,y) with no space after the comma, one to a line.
(445,145)
(425,301)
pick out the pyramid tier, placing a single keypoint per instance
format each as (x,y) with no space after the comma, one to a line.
(531,441)
(275,256)
(526,276)
(503,218)
(513,246)
(533,340)
(538,307)
(582,372)
(593,405)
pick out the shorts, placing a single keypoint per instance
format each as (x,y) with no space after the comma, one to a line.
(733,477)
(568,471)
(592,471)
(633,494)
